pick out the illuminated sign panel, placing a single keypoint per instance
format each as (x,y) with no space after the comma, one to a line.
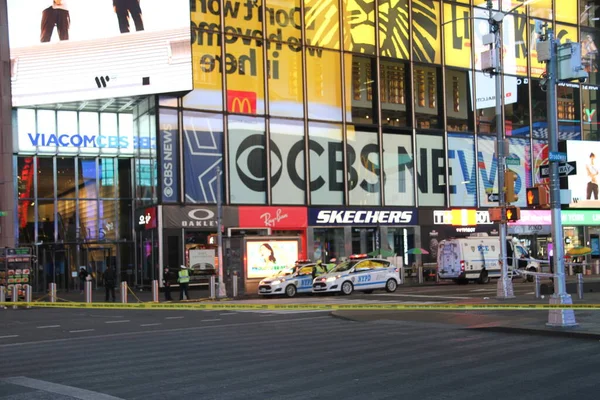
(91,49)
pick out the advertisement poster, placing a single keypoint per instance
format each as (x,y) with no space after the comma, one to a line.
(266,258)
(584,183)
(75,50)
(202,260)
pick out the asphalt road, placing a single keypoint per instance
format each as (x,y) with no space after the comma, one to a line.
(123,354)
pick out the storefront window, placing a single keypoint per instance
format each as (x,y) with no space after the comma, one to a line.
(65,178)
(26,222)
(285,79)
(394,90)
(589,114)
(245,75)
(458,38)
(247,160)
(426,25)
(288,178)
(108,183)
(362,82)
(431,170)
(427,97)
(87,178)
(463,171)
(45,177)
(569,111)
(365,240)
(398,172)
(108,220)
(88,219)
(359,24)
(400,240)
(67,228)
(202,143)
(326,163)
(324,84)
(328,244)
(322,23)
(45,221)
(364,166)
(459,102)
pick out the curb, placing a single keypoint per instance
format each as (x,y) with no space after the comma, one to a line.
(571,333)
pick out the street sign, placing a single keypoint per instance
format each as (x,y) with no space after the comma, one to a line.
(564,169)
(493,197)
(557,156)
(513,161)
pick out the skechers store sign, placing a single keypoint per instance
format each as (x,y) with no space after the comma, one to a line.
(357,217)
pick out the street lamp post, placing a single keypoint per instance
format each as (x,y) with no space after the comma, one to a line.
(221,292)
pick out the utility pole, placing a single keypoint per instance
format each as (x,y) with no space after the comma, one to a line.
(547,51)
(221,292)
(505,287)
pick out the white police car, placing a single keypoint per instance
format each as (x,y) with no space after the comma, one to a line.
(291,281)
(359,273)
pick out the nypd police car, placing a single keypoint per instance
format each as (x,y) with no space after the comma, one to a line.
(359,273)
(291,281)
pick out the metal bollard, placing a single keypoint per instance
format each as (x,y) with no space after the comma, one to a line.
(235,284)
(88,291)
(402,275)
(570,269)
(597,267)
(580,286)
(420,274)
(437,275)
(52,291)
(211,285)
(3,297)
(155,291)
(28,294)
(537,287)
(124,292)
(15,296)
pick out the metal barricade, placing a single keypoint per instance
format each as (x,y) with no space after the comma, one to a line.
(212,285)
(3,296)
(27,294)
(88,291)
(537,287)
(235,284)
(124,298)
(52,292)
(155,291)
(580,286)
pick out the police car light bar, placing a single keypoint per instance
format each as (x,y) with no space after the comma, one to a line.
(358,256)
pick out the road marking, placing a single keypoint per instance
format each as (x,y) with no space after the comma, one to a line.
(81,330)
(157,323)
(152,332)
(117,322)
(530,293)
(210,320)
(228,313)
(8,336)
(482,290)
(81,394)
(48,326)
(174,317)
(426,296)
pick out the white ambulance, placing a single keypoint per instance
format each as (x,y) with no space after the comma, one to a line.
(476,258)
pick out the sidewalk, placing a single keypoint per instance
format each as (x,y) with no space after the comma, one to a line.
(134,296)
(532,322)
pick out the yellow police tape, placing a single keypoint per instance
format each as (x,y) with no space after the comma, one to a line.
(324,307)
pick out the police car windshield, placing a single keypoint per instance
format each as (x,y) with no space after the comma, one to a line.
(285,272)
(344,266)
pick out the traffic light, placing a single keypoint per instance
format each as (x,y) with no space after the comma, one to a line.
(537,196)
(513,213)
(510,178)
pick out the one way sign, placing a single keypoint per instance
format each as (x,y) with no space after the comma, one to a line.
(564,169)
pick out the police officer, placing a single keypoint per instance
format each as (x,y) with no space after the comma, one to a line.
(184,280)
(167,284)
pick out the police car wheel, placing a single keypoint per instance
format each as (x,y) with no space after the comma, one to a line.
(347,288)
(391,285)
(483,277)
(290,290)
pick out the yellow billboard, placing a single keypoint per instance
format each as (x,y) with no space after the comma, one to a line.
(458,39)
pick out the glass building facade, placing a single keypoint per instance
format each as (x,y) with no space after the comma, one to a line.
(371,104)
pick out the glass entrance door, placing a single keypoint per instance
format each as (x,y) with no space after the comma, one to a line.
(97,258)
(365,240)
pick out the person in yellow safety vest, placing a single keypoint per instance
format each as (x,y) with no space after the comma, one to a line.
(184,280)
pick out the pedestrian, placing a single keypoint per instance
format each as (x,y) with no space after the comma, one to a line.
(184,280)
(83,274)
(167,284)
(124,8)
(55,15)
(110,279)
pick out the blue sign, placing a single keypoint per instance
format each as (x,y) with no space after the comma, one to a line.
(361,216)
(557,156)
(169,173)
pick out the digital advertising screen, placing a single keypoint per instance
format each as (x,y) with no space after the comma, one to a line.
(266,258)
(584,182)
(76,50)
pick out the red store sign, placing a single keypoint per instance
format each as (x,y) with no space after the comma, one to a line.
(273,217)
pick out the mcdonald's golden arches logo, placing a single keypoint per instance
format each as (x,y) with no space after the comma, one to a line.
(239,101)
